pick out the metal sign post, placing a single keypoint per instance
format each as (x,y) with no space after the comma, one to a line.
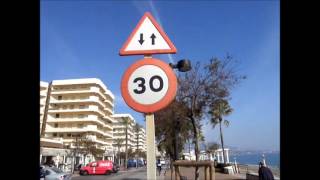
(151,149)
(149,84)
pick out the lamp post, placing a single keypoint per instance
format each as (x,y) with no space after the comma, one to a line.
(183,65)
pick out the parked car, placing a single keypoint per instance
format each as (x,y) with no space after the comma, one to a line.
(98,167)
(133,163)
(53,173)
(42,173)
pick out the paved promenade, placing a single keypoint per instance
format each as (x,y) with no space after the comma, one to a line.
(189,173)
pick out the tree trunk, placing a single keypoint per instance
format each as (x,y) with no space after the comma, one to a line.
(84,159)
(137,150)
(119,157)
(189,147)
(126,164)
(45,114)
(222,145)
(196,143)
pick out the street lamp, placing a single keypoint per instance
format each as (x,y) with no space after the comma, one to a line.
(183,65)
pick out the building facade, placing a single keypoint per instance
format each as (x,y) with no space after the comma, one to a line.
(51,149)
(119,132)
(81,108)
(141,138)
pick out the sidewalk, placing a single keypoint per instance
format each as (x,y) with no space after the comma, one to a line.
(132,169)
(189,173)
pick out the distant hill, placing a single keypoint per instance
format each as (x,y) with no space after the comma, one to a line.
(233,149)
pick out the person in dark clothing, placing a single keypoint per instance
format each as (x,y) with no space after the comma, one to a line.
(159,166)
(264,172)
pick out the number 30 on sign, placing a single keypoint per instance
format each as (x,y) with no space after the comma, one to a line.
(149,85)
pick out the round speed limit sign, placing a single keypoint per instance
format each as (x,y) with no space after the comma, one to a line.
(149,85)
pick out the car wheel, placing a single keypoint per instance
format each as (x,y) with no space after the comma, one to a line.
(107,172)
(84,173)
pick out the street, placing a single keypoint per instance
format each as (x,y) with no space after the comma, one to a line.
(131,174)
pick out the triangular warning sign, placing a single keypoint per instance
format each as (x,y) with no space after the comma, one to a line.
(147,38)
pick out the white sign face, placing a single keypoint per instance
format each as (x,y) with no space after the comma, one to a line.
(148,84)
(147,37)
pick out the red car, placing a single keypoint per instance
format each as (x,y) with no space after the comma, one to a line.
(99,167)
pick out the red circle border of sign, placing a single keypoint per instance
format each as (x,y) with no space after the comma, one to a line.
(165,101)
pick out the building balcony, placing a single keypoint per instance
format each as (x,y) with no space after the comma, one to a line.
(110,104)
(102,141)
(81,91)
(109,119)
(79,130)
(78,111)
(140,141)
(123,132)
(78,101)
(97,140)
(43,94)
(108,110)
(105,133)
(97,121)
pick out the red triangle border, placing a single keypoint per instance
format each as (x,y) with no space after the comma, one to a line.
(172,49)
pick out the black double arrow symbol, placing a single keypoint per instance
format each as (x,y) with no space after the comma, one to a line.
(152,39)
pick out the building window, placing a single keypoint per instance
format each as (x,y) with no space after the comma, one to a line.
(57,115)
(59,97)
(61,135)
(54,134)
(80,125)
(82,116)
(71,106)
(56,125)
(69,135)
(82,107)
(64,107)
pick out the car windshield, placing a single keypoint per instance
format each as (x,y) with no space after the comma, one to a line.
(56,170)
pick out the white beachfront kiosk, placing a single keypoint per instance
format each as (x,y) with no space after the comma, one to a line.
(219,155)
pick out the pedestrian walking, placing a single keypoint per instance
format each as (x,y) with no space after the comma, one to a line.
(159,166)
(264,172)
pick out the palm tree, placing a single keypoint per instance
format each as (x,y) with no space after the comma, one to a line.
(137,130)
(118,143)
(126,123)
(219,109)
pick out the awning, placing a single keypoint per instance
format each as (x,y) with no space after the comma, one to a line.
(54,151)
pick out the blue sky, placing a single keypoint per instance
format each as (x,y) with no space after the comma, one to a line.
(82,39)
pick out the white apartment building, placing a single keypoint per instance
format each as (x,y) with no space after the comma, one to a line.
(119,131)
(81,107)
(141,137)
(49,147)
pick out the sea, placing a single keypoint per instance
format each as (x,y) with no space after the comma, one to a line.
(272,159)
